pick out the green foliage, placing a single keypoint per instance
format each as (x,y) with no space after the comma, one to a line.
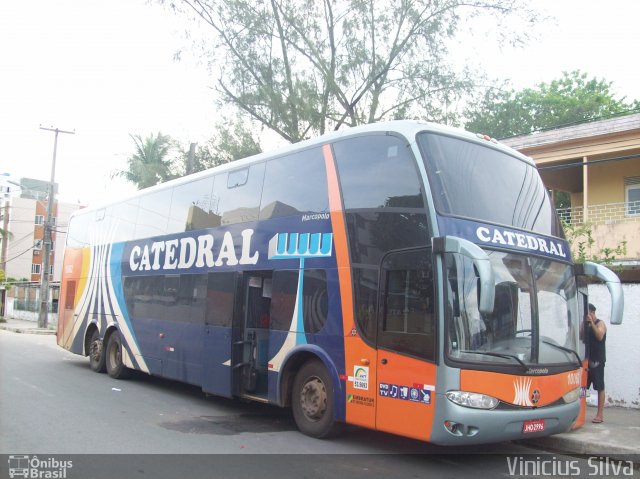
(231,142)
(580,237)
(150,163)
(304,67)
(570,99)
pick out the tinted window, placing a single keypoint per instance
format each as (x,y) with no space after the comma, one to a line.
(152,214)
(315,300)
(184,298)
(365,285)
(408,314)
(145,296)
(220,299)
(476,181)
(377,172)
(240,202)
(193,207)
(373,234)
(295,184)
(283,299)
(382,197)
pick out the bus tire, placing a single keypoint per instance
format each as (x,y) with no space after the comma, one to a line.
(113,357)
(96,353)
(313,401)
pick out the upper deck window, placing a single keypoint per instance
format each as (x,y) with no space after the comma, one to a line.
(478,182)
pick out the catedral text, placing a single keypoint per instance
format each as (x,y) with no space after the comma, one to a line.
(187,252)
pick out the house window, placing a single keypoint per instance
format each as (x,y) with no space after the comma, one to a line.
(35,268)
(39,219)
(632,196)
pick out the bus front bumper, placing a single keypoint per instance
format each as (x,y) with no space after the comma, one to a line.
(459,425)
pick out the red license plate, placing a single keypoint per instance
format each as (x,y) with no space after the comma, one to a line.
(534,425)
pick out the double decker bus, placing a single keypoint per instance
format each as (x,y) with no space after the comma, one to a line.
(402,276)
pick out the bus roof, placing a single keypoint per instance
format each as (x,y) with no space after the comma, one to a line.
(407,128)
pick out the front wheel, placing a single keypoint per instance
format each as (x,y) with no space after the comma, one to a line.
(113,357)
(313,401)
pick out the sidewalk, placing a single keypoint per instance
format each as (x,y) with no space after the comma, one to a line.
(618,436)
(27,327)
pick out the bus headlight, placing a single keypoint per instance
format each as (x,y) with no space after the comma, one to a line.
(571,396)
(474,400)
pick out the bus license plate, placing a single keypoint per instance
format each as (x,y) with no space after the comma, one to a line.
(534,425)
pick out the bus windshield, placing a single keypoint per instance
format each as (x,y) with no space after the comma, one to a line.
(534,319)
(470,180)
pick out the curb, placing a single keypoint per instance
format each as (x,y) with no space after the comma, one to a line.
(15,329)
(576,446)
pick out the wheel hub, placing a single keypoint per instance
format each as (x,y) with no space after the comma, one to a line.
(313,399)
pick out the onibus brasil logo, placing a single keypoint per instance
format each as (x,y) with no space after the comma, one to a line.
(34,467)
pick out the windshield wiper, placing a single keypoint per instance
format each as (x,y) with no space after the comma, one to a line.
(567,350)
(499,355)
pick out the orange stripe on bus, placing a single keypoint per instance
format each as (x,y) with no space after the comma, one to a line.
(340,240)
(356,352)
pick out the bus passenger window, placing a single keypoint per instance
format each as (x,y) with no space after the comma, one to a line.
(193,207)
(239,198)
(283,299)
(220,298)
(294,185)
(407,323)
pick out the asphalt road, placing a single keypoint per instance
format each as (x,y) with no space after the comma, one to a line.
(52,404)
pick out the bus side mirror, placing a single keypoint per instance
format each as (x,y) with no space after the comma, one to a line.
(453,244)
(613,285)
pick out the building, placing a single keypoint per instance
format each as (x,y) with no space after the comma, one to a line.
(598,164)
(23,215)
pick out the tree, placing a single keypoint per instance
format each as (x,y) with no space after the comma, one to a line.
(303,67)
(570,99)
(233,141)
(150,165)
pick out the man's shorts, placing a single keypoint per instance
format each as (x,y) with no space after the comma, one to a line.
(595,376)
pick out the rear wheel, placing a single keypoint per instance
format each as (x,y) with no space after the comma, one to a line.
(96,353)
(313,401)
(113,358)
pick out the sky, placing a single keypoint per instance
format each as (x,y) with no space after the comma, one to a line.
(105,69)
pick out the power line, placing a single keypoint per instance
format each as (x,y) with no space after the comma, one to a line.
(25,251)
(588,163)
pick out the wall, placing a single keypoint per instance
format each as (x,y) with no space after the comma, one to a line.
(11,312)
(622,381)
(21,224)
(606,181)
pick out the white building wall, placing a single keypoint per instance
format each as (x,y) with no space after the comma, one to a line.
(22,214)
(622,369)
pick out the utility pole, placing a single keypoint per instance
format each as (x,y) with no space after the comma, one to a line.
(43,316)
(191,158)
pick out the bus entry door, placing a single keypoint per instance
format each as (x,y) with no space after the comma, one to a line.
(406,371)
(252,371)
(222,329)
